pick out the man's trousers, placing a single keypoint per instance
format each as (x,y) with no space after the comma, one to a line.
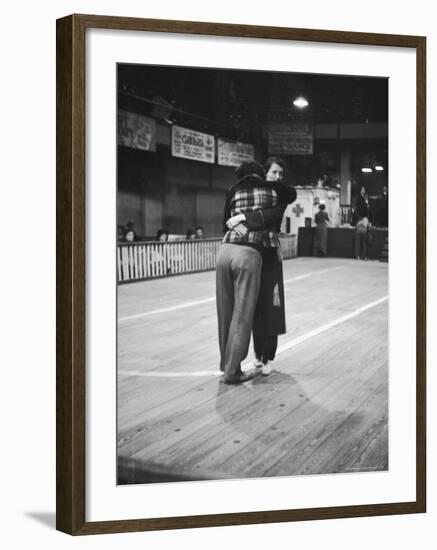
(238,277)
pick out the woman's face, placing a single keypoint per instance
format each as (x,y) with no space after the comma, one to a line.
(275,173)
(130,236)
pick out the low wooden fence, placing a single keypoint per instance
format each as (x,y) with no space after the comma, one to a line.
(147,260)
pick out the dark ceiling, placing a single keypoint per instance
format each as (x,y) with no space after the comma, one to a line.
(238,101)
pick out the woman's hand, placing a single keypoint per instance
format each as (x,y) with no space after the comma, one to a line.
(236,224)
(235,220)
(240,229)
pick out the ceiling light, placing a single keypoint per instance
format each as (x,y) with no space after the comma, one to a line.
(379,168)
(366,170)
(300,102)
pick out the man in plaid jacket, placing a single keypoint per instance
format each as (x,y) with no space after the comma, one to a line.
(239,267)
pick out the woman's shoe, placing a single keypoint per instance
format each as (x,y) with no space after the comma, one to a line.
(266,369)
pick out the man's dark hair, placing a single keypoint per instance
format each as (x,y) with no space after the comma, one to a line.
(274,160)
(250,168)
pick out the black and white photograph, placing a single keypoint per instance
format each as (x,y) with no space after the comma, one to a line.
(252,274)
(218,275)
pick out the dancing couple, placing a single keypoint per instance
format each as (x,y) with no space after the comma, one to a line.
(249,275)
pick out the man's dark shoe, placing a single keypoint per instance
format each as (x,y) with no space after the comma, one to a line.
(242,377)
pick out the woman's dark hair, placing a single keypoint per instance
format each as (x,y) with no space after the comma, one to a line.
(322,207)
(250,168)
(274,160)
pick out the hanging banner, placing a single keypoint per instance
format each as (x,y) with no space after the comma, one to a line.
(291,138)
(233,153)
(136,131)
(189,144)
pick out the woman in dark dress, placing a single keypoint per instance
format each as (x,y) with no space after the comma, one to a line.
(269,320)
(321,233)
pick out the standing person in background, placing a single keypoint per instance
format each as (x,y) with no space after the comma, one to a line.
(321,233)
(384,207)
(363,226)
(238,269)
(362,238)
(269,319)
(362,207)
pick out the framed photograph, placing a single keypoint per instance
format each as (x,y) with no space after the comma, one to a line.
(241,278)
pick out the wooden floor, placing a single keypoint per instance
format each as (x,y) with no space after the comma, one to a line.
(324,408)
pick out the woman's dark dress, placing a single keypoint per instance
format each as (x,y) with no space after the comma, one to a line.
(321,234)
(269,320)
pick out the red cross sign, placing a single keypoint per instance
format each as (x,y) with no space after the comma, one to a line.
(297,209)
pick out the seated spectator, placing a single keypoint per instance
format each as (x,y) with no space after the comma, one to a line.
(162,235)
(129,236)
(120,233)
(130,227)
(199,232)
(190,234)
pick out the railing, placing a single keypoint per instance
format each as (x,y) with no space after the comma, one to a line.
(148,260)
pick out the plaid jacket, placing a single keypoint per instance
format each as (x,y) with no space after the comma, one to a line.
(250,194)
